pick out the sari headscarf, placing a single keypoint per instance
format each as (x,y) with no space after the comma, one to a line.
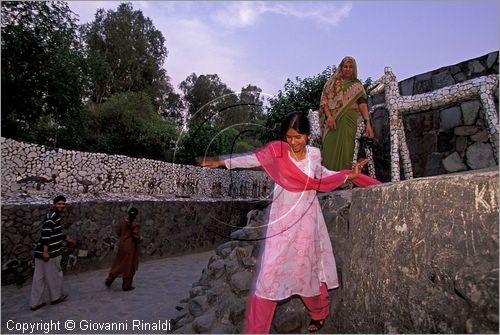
(274,159)
(339,94)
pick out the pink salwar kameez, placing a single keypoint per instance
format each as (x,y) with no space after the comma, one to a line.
(297,257)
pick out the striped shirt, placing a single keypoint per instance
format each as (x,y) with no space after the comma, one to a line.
(52,235)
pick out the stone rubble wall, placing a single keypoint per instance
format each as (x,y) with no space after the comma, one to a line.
(418,256)
(445,140)
(31,168)
(169,227)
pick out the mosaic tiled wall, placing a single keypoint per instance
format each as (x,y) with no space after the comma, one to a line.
(439,122)
(30,168)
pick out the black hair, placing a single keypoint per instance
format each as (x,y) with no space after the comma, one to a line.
(133,211)
(59,198)
(297,121)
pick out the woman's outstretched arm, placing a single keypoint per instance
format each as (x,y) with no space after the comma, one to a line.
(248,160)
(210,162)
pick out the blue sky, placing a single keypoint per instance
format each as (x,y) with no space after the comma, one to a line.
(265,42)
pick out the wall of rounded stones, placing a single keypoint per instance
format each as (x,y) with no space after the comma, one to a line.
(168,227)
(446,140)
(31,168)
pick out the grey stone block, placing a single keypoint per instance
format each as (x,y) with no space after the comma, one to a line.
(203,323)
(470,111)
(406,86)
(481,136)
(442,79)
(466,130)
(198,305)
(480,155)
(492,59)
(475,67)
(241,282)
(454,163)
(450,118)
(420,268)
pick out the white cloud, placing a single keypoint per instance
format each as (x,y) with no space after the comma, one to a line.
(247,13)
(239,14)
(196,44)
(195,47)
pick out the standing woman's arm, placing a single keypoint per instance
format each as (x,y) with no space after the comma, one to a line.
(363,108)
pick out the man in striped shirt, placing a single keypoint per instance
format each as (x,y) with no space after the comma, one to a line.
(48,251)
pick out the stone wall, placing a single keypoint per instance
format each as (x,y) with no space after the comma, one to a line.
(430,265)
(169,227)
(418,256)
(31,168)
(445,140)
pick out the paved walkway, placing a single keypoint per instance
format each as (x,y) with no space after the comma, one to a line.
(93,308)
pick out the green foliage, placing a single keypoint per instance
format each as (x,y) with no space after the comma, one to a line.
(299,96)
(248,108)
(205,96)
(157,138)
(231,122)
(41,68)
(211,140)
(77,132)
(131,107)
(127,124)
(125,52)
(43,131)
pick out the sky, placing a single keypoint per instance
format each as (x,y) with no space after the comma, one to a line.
(264,43)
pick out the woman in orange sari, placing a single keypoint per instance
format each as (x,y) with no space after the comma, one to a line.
(342,101)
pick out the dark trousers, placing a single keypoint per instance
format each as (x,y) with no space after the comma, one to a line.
(126,282)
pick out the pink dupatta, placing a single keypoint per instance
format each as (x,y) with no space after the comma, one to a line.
(274,159)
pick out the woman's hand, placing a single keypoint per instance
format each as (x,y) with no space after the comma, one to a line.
(356,170)
(369,130)
(209,162)
(330,121)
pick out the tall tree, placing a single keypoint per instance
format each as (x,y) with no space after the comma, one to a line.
(42,64)
(127,124)
(205,96)
(126,53)
(248,108)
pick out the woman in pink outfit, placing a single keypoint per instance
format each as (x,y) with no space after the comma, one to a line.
(297,258)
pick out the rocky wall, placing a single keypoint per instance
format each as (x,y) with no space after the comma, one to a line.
(30,169)
(169,227)
(426,261)
(419,256)
(450,139)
